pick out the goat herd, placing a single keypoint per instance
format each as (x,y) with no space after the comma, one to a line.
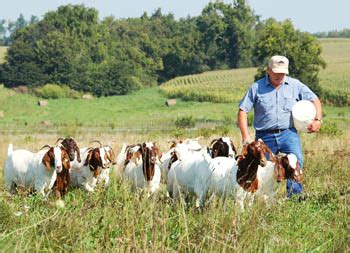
(187,167)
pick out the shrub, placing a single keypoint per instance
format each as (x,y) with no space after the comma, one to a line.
(331,129)
(335,98)
(56,91)
(184,122)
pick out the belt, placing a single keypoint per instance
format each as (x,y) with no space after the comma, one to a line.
(272,131)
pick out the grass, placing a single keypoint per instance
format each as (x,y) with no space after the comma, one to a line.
(119,113)
(336,76)
(121,220)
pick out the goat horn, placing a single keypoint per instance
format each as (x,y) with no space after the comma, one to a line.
(45,146)
(97,142)
(213,141)
(59,139)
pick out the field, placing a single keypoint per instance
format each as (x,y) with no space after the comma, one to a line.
(2,54)
(213,86)
(336,76)
(121,220)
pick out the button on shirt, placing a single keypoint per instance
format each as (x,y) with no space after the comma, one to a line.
(272,107)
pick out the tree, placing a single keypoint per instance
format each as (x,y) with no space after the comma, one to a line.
(71,47)
(20,22)
(33,20)
(227,34)
(212,27)
(240,33)
(2,31)
(302,49)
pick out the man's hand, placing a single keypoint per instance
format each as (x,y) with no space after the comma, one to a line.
(314,126)
(246,141)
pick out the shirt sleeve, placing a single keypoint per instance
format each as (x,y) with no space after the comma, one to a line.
(306,93)
(247,101)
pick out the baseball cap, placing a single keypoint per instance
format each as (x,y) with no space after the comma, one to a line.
(279,64)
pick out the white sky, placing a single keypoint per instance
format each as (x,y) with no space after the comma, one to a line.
(306,15)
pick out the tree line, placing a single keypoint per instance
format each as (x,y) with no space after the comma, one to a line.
(72,47)
(345,33)
(7,27)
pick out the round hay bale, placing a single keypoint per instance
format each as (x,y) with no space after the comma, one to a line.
(87,96)
(42,103)
(170,102)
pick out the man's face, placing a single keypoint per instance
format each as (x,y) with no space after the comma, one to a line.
(276,79)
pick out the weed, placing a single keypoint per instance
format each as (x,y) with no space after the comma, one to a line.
(184,122)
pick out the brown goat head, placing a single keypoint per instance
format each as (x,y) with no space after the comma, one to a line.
(149,157)
(283,170)
(95,161)
(71,147)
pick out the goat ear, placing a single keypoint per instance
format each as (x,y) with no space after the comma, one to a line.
(136,148)
(271,155)
(239,158)
(285,162)
(97,172)
(245,150)
(88,158)
(233,147)
(47,159)
(277,167)
(78,152)
(300,172)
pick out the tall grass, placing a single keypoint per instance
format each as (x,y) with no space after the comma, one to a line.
(121,220)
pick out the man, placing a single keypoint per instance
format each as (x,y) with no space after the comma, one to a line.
(272,98)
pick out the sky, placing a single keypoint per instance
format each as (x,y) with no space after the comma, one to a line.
(307,15)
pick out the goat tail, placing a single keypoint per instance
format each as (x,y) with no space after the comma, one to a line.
(10,149)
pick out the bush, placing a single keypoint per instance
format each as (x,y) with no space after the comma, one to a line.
(56,91)
(335,98)
(184,122)
(331,129)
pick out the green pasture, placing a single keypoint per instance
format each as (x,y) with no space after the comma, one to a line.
(143,111)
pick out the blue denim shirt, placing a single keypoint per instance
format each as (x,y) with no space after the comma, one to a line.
(272,107)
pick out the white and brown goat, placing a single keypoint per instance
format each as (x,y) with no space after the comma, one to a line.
(63,178)
(39,170)
(222,146)
(85,174)
(142,166)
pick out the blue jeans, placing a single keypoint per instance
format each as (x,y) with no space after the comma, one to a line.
(286,142)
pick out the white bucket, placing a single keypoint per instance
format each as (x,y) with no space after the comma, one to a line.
(304,112)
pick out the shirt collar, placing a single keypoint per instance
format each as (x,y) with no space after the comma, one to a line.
(267,80)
